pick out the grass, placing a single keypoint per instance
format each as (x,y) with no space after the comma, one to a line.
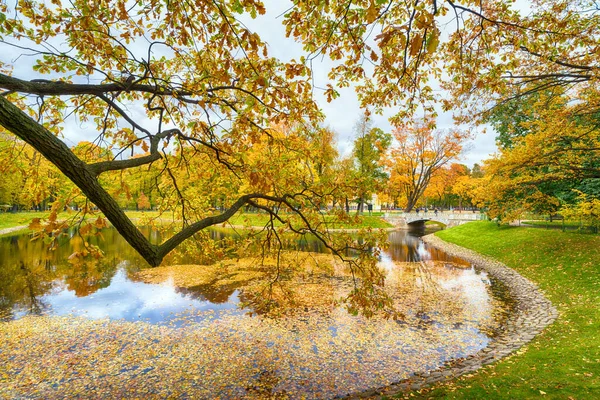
(365,221)
(564,361)
(568,224)
(9,220)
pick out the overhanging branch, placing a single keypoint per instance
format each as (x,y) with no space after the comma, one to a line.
(103,166)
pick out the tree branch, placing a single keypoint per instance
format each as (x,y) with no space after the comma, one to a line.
(51,147)
(103,166)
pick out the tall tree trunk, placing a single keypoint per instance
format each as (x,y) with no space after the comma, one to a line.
(19,123)
(409,206)
(359,206)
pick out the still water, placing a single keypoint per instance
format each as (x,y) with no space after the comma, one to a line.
(36,280)
(314,349)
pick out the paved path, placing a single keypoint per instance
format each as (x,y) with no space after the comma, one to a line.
(12,229)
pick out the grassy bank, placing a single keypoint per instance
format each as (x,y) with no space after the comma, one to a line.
(571,225)
(9,220)
(564,361)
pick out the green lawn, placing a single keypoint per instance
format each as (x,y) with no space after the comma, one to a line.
(553,223)
(8,220)
(564,361)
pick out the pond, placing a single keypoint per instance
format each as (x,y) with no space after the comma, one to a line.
(112,327)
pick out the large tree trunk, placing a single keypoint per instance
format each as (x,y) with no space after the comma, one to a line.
(85,177)
(16,121)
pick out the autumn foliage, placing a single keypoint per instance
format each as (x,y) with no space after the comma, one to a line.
(191,115)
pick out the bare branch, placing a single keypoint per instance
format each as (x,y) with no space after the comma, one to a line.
(103,166)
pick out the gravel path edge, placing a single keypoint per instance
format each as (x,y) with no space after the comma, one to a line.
(12,229)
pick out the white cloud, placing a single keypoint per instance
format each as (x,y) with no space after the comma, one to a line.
(125,299)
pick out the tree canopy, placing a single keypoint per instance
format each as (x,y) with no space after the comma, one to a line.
(191,113)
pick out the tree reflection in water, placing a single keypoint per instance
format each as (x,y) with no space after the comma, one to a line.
(31,275)
(146,326)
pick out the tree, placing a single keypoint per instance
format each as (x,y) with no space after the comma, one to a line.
(586,209)
(492,54)
(27,180)
(420,152)
(512,118)
(541,169)
(194,90)
(465,188)
(369,147)
(142,202)
(442,183)
(187,87)
(476,171)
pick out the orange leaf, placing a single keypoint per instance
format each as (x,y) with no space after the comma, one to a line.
(35,224)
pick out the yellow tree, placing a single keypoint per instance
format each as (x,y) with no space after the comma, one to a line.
(26,178)
(541,169)
(443,181)
(466,188)
(178,65)
(420,152)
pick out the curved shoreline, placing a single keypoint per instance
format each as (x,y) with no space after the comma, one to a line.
(532,313)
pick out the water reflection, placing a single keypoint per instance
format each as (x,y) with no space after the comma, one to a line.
(407,247)
(131,301)
(35,280)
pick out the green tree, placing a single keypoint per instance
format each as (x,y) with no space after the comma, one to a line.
(370,145)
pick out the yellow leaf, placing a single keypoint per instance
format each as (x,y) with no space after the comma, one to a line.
(100,223)
(372,13)
(85,229)
(432,42)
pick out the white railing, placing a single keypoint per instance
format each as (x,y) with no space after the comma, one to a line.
(444,217)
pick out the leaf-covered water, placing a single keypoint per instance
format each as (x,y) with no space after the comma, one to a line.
(111,327)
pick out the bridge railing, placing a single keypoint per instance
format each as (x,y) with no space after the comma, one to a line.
(441,215)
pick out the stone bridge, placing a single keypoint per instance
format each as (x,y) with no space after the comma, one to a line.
(406,220)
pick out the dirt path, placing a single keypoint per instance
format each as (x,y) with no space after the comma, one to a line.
(12,229)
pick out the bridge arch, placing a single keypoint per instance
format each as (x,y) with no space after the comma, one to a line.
(423,220)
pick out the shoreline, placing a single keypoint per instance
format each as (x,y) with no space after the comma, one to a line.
(532,313)
(12,229)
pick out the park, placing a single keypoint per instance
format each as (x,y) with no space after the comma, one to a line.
(299,200)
